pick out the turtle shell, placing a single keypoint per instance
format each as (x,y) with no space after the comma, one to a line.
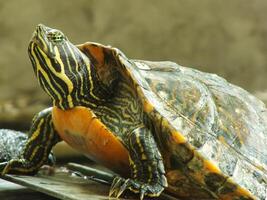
(212,134)
(211,131)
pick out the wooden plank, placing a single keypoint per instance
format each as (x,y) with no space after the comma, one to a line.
(62,186)
(73,184)
(11,191)
(104,176)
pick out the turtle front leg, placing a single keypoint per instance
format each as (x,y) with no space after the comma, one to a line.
(42,137)
(148,174)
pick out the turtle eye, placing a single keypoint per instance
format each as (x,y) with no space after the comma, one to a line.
(55,36)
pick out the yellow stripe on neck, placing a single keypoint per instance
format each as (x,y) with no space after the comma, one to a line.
(61,74)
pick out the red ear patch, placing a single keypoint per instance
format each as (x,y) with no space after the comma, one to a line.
(94,51)
(104,62)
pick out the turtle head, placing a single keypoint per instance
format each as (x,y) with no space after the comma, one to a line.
(63,70)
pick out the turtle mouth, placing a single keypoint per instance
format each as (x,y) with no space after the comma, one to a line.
(49,35)
(41,41)
(41,30)
(38,35)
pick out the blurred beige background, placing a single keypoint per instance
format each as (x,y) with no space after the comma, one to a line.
(224,37)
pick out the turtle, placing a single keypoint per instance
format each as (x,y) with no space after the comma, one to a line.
(158,125)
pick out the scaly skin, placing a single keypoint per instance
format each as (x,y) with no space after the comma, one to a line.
(37,150)
(157,124)
(74,80)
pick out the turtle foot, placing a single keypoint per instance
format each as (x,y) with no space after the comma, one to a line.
(120,185)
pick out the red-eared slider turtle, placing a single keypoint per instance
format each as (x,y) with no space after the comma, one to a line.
(157,124)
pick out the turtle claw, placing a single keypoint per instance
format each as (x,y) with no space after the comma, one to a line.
(142,194)
(115,187)
(120,185)
(122,188)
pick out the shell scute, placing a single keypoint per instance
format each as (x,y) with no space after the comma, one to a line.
(208,130)
(222,123)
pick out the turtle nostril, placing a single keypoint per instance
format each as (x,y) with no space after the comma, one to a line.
(40,26)
(40,29)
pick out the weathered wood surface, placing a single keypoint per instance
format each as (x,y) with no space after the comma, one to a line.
(64,184)
(11,191)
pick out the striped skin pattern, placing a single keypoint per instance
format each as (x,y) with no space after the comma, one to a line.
(76,78)
(71,77)
(12,144)
(175,123)
(34,155)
